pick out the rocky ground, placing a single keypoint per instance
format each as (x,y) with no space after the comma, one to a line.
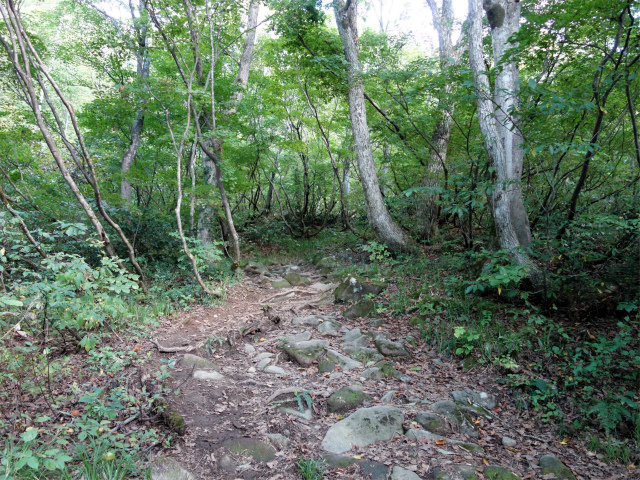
(295,365)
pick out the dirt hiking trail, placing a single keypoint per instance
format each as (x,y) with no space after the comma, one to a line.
(281,372)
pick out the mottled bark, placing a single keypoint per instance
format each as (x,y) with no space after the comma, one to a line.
(384,227)
(501,142)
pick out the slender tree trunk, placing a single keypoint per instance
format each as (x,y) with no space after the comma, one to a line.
(500,141)
(384,227)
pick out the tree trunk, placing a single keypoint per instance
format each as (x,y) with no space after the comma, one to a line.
(504,147)
(384,227)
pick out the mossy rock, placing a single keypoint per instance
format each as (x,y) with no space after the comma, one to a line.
(325,366)
(295,279)
(363,354)
(432,423)
(305,353)
(461,472)
(496,472)
(468,363)
(259,451)
(333,460)
(327,262)
(387,368)
(171,418)
(353,289)
(550,464)
(362,309)
(194,361)
(166,468)
(345,399)
(280,284)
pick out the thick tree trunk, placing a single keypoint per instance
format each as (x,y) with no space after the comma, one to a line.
(384,227)
(501,143)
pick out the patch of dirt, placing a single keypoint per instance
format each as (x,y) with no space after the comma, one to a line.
(217,413)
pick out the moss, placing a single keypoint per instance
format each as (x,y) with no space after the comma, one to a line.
(280,284)
(325,366)
(550,464)
(386,367)
(171,418)
(259,451)
(496,472)
(344,399)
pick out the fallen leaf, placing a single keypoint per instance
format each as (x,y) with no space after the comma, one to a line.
(75,413)
(441,442)
(137,348)
(484,460)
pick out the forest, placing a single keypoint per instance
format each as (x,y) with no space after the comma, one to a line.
(183,177)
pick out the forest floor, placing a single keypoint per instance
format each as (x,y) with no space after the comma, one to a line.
(255,413)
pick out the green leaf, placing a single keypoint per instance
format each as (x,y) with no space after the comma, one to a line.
(29,435)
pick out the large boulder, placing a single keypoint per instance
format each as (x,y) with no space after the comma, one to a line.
(354,288)
(305,353)
(364,426)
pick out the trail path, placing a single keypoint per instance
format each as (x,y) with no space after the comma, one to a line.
(265,399)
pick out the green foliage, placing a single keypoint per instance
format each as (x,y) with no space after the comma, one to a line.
(311,469)
(304,400)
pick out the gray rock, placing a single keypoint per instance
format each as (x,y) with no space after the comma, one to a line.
(388,397)
(373,470)
(305,353)
(420,434)
(278,440)
(354,288)
(306,414)
(377,334)
(295,279)
(198,362)
(208,375)
(325,366)
(256,268)
(482,399)
(166,468)
(550,464)
(388,370)
(261,356)
(335,375)
(323,287)
(274,370)
(364,426)
(363,354)
(248,349)
(509,442)
(458,472)
(458,419)
(343,361)
(250,447)
(329,328)
(361,341)
(227,463)
(345,399)
(496,472)
(299,337)
(352,335)
(333,460)
(312,320)
(373,373)
(262,364)
(391,349)
(376,322)
(399,473)
(364,308)
(251,370)
(280,284)
(432,423)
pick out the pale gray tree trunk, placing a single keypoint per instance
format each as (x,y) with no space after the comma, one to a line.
(428,208)
(498,126)
(386,230)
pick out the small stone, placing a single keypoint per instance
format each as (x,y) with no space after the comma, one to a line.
(373,470)
(343,361)
(166,468)
(251,370)
(198,362)
(391,349)
(259,451)
(508,442)
(363,354)
(362,309)
(352,335)
(373,373)
(299,337)
(280,284)
(345,399)
(256,268)
(207,375)
(377,334)
(323,287)
(335,375)
(550,464)
(261,356)
(458,419)
(496,472)
(325,366)
(376,323)
(306,414)
(361,341)
(420,434)
(278,440)
(482,399)
(263,363)
(353,289)
(468,363)
(437,361)
(227,464)
(295,279)
(431,423)
(363,427)
(248,349)
(329,328)
(399,473)
(311,320)
(305,353)
(274,370)
(388,397)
